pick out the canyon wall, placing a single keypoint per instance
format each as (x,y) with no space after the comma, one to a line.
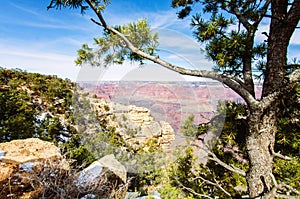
(168,101)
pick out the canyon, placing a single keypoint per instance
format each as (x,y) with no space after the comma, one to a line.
(167,101)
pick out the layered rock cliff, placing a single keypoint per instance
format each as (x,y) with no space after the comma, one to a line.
(135,124)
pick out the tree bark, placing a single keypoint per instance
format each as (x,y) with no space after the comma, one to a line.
(263,120)
(260,144)
(283,24)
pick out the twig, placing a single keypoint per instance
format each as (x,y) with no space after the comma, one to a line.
(220,162)
(286,196)
(192,191)
(281,186)
(281,156)
(213,183)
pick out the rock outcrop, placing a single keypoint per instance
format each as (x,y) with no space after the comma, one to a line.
(32,168)
(21,160)
(135,124)
(107,165)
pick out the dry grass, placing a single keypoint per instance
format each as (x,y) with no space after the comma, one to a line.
(56,182)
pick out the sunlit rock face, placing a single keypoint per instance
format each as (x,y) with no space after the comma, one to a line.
(135,124)
(21,161)
(107,165)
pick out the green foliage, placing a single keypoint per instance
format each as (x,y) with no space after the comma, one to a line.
(288,135)
(188,128)
(80,153)
(24,98)
(46,107)
(78,4)
(230,148)
(231,145)
(149,161)
(227,43)
(167,191)
(185,177)
(17,119)
(288,171)
(234,125)
(110,48)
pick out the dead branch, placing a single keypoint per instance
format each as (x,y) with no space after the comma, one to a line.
(214,158)
(213,183)
(192,191)
(284,157)
(282,187)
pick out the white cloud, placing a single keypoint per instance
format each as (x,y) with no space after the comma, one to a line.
(182,50)
(25,9)
(56,56)
(33,60)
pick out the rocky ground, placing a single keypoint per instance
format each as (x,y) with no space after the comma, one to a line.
(32,169)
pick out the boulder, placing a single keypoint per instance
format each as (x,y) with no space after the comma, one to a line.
(106,165)
(21,160)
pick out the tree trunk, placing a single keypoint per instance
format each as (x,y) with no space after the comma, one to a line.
(260,144)
(263,121)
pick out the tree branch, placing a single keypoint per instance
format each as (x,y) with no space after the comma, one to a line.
(232,82)
(98,13)
(226,166)
(286,196)
(281,156)
(283,187)
(192,191)
(227,80)
(294,14)
(214,158)
(263,12)
(213,183)
(240,16)
(289,83)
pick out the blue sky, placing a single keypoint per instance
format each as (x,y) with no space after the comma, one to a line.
(37,40)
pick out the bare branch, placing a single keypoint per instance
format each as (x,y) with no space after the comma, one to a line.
(98,13)
(286,196)
(226,166)
(240,16)
(192,191)
(273,179)
(291,188)
(96,22)
(281,156)
(263,12)
(283,187)
(233,83)
(214,158)
(213,183)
